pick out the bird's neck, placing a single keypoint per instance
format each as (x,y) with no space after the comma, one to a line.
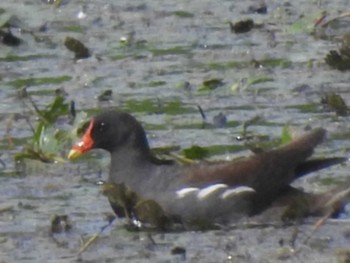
(129,165)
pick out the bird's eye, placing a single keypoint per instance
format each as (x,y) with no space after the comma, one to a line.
(102,126)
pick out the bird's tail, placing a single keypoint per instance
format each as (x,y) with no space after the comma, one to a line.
(313,165)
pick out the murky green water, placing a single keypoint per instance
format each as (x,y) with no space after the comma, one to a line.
(174,47)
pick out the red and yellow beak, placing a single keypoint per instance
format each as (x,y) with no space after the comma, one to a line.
(84,145)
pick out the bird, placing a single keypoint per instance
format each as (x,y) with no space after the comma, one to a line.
(214,193)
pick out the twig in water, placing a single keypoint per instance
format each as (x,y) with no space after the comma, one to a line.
(92,239)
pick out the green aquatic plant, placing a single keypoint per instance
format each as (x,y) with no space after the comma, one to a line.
(286,136)
(19,83)
(47,140)
(334,102)
(211,84)
(195,152)
(340,59)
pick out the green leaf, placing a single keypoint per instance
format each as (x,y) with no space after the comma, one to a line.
(286,136)
(195,152)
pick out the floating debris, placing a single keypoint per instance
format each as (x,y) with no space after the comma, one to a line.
(340,59)
(211,84)
(322,21)
(55,3)
(179,251)
(60,224)
(334,102)
(260,8)
(220,120)
(243,26)
(79,49)
(183,14)
(95,237)
(8,39)
(106,95)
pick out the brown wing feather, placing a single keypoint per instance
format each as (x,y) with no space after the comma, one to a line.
(265,172)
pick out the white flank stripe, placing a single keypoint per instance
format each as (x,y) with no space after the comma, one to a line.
(236,191)
(205,192)
(186,191)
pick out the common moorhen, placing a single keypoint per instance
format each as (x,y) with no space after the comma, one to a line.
(216,192)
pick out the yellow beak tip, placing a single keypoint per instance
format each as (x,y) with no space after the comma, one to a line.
(73,154)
